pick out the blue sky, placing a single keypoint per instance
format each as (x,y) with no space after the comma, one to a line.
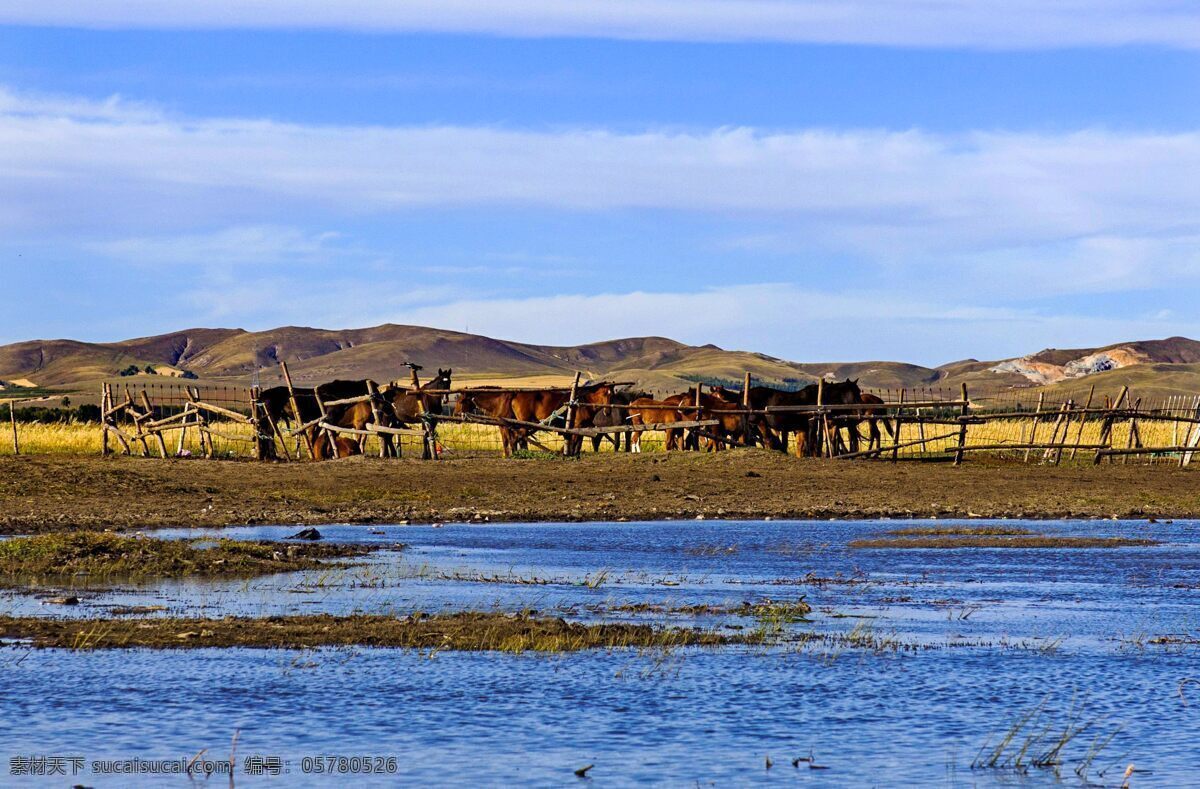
(870,179)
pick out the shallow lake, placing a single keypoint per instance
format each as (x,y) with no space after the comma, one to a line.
(926,655)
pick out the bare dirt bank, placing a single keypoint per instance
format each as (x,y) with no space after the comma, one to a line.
(47,493)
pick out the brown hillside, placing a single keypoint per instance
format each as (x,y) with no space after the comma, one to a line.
(655,363)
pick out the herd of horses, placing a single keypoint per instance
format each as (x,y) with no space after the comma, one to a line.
(763,416)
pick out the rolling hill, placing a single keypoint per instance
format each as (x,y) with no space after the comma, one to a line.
(1170,366)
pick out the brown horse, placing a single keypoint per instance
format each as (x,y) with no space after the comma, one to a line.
(547,404)
(494,403)
(341,447)
(725,406)
(541,405)
(648,411)
(613,417)
(357,416)
(591,403)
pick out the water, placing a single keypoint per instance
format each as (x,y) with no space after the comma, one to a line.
(966,641)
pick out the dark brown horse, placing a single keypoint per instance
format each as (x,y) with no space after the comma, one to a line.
(359,416)
(773,427)
(277,401)
(835,393)
(872,414)
(410,405)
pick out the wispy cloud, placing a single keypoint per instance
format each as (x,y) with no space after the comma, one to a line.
(793,322)
(919,23)
(231,246)
(1113,207)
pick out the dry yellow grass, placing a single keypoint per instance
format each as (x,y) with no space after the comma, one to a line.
(74,438)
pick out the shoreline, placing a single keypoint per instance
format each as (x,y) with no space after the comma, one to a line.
(64,493)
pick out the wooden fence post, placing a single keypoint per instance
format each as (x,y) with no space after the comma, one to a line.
(746,441)
(385,441)
(12,417)
(1193,434)
(182,442)
(1106,427)
(304,434)
(1062,442)
(570,417)
(162,445)
(1134,439)
(104,448)
(962,430)
(1082,421)
(259,447)
(1058,420)
(201,422)
(896,438)
(818,433)
(330,435)
(137,422)
(1037,414)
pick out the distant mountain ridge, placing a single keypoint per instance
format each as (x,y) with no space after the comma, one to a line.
(657,363)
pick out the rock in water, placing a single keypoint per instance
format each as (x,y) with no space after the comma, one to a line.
(306,534)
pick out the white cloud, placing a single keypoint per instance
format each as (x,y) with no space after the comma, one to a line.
(1119,209)
(232,246)
(932,23)
(793,322)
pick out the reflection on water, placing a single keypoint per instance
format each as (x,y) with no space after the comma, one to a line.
(958,645)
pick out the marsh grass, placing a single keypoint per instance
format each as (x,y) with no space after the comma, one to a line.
(469,631)
(61,554)
(939,531)
(1031,743)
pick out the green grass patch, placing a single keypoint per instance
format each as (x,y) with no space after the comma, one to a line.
(106,553)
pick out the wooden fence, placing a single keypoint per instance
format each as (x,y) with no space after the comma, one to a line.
(180,420)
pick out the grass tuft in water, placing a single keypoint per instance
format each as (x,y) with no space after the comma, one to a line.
(469,631)
(105,553)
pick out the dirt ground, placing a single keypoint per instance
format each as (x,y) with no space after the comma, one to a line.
(47,493)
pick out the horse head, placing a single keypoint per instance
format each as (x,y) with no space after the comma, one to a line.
(465,404)
(726,394)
